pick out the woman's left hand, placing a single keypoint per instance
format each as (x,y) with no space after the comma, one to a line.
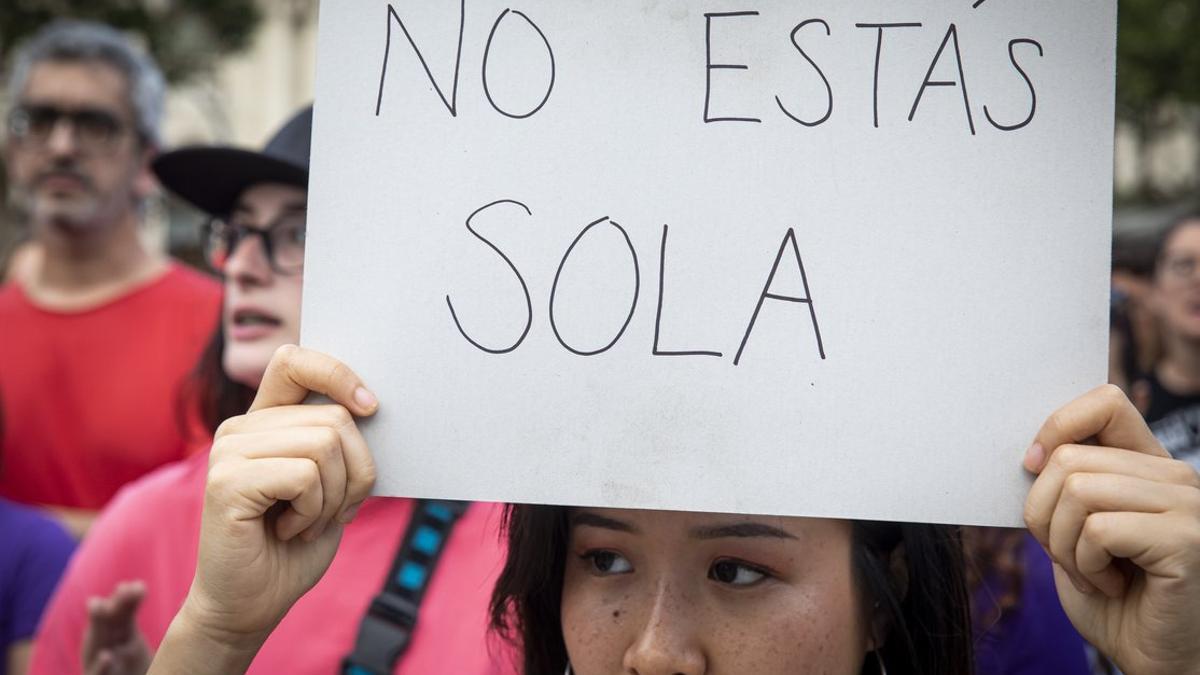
(1121,521)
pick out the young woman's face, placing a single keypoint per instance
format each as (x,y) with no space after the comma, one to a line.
(1177,282)
(671,593)
(262,306)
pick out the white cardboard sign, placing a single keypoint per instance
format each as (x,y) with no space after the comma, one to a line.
(825,258)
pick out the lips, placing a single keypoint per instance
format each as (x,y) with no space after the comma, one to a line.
(252,323)
(63,181)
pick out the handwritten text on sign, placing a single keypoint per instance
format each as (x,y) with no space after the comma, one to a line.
(825,260)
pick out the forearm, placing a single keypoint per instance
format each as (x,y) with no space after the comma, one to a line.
(191,647)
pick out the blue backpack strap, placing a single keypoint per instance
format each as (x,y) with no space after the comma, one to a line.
(386,629)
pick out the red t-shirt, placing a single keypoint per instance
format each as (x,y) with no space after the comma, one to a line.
(150,532)
(89,399)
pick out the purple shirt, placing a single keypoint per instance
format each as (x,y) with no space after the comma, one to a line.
(1036,637)
(34,551)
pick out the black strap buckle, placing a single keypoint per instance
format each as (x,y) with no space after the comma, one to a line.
(395,609)
(387,628)
(379,643)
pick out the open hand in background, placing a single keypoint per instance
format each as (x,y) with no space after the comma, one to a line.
(112,643)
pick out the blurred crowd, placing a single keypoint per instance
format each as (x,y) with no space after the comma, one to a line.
(118,365)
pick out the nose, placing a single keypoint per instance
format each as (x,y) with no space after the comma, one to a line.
(247,263)
(62,141)
(667,643)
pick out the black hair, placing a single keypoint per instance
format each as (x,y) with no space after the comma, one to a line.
(209,393)
(926,613)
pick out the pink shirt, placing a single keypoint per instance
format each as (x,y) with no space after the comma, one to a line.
(150,532)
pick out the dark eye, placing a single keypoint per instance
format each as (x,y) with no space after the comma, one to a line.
(735,573)
(608,562)
(38,121)
(97,124)
(1183,266)
(291,232)
(230,234)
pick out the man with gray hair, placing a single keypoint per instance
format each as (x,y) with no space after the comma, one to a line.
(97,333)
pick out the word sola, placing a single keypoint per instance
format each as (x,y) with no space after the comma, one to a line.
(789,240)
(949,39)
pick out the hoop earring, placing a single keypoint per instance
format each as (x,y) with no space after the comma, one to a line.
(878,660)
(568,670)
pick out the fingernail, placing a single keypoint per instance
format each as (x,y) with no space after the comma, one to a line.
(1034,457)
(348,514)
(365,398)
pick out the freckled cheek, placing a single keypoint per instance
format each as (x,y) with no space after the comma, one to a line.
(817,626)
(595,625)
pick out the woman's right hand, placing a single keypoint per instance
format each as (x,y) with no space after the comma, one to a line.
(283,480)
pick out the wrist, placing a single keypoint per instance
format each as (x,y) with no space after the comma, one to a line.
(198,643)
(199,618)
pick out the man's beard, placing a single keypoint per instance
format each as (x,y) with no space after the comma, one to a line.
(79,212)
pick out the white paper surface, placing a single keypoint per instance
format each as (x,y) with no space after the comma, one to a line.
(958,278)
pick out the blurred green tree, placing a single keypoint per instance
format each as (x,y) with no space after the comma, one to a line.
(1158,75)
(1158,55)
(186,37)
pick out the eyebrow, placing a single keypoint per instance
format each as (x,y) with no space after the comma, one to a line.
(739,531)
(589,519)
(743,530)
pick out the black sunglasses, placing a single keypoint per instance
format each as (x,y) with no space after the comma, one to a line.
(94,128)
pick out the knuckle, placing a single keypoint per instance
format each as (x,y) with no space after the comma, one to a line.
(312,474)
(1111,395)
(1076,486)
(328,441)
(338,372)
(1187,497)
(1096,527)
(363,488)
(287,360)
(370,475)
(285,354)
(339,417)
(220,478)
(1033,518)
(1184,474)
(1068,457)
(1059,420)
(230,426)
(222,448)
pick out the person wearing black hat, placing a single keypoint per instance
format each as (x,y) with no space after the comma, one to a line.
(257,200)
(133,573)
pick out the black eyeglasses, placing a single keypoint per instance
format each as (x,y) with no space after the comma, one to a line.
(95,129)
(282,241)
(1180,266)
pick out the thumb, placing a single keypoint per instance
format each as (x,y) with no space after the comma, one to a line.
(295,372)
